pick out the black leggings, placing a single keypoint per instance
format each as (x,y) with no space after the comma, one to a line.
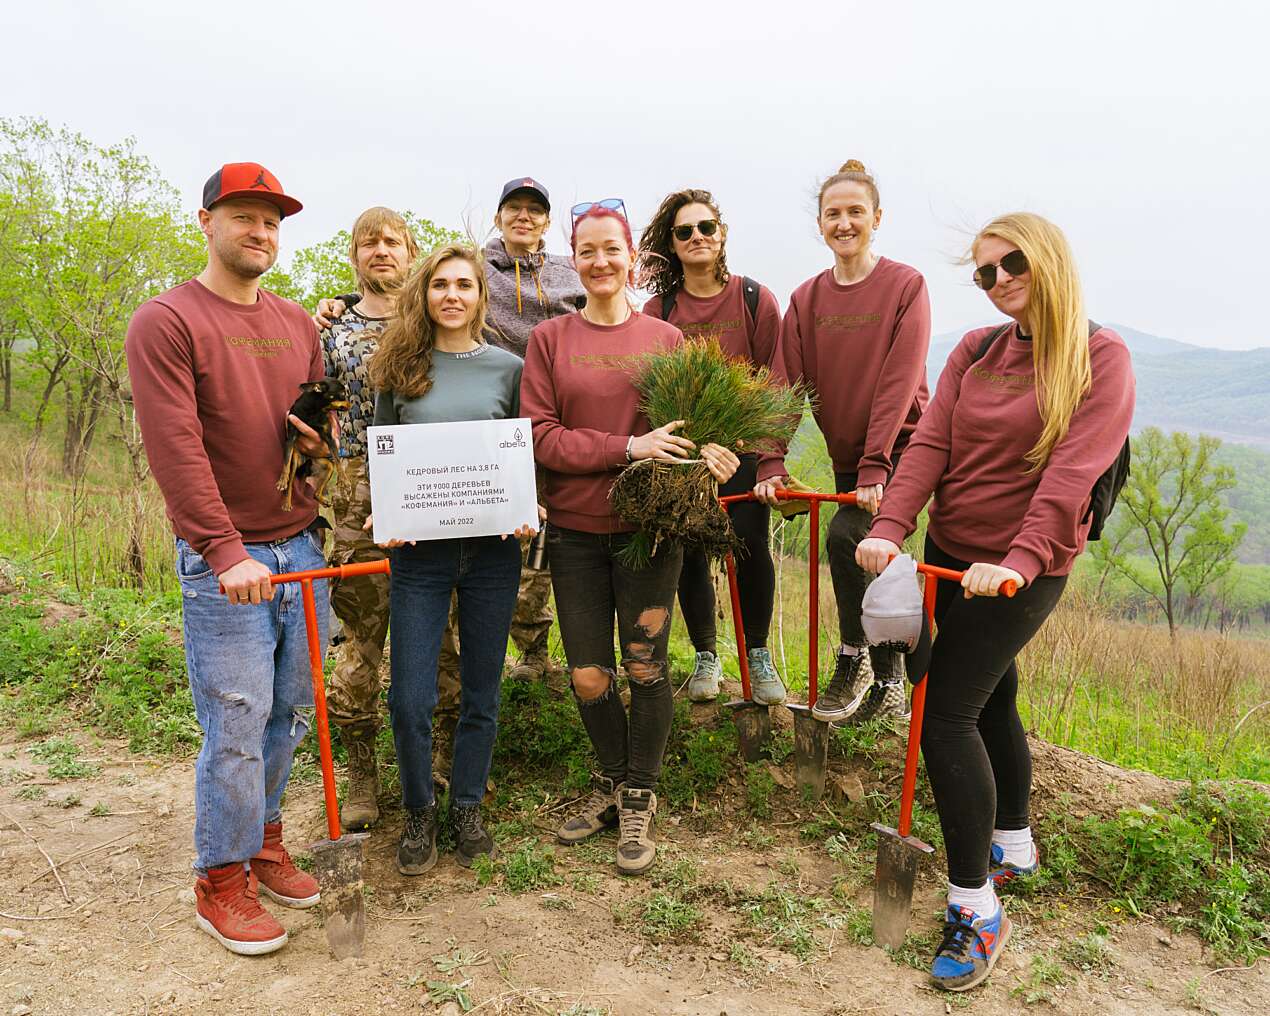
(976,751)
(593,586)
(755,575)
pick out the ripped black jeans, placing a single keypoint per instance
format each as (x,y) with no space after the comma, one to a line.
(591,587)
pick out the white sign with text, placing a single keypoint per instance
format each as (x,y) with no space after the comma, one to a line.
(440,481)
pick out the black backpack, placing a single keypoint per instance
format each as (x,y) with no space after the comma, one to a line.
(750,291)
(1108,486)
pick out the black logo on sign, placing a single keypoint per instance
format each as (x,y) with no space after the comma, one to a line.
(383,444)
(517,442)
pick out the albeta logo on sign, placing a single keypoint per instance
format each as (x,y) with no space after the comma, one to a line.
(383,444)
(518,440)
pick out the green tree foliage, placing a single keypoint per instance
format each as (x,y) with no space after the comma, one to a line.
(1171,514)
(323,269)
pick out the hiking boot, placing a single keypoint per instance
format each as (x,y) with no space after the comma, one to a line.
(846,690)
(637,811)
(1001,871)
(227,907)
(278,875)
(596,811)
(417,851)
(765,684)
(970,948)
(533,666)
(707,674)
(882,699)
(470,834)
(360,809)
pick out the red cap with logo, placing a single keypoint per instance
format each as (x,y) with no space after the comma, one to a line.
(247,180)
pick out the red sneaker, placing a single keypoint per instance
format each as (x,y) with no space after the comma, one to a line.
(228,908)
(279,877)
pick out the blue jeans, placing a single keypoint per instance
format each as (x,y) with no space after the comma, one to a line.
(253,694)
(486,572)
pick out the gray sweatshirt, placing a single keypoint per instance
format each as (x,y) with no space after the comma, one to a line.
(481,384)
(547,287)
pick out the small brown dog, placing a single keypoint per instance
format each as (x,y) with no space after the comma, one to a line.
(317,399)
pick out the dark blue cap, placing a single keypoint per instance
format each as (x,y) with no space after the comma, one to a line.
(528,185)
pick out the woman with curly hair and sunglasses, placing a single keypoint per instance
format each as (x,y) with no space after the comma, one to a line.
(682,261)
(857,335)
(578,391)
(1025,420)
(433,366)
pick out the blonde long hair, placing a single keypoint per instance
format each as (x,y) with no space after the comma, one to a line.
(402,363)
(1056,315)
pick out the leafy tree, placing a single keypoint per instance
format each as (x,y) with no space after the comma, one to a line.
(323,269)
(92,232)
(1171,516)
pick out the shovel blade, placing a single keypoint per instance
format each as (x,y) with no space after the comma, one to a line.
(753,727)
(811,752)
(898,860)
(338,867)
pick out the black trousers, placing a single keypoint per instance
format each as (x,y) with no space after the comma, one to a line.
(755,574)
(976,750)
(592,587)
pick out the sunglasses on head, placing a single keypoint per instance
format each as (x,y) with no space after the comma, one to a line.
(612,204)
(1014,263)
(706,227)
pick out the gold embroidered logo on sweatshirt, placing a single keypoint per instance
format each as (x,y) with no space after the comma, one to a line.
(1018,382)
(264,349)
(706,330)
(847,322)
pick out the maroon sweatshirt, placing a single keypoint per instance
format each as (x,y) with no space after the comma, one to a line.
(725,317)
(576,388)
(969,450)
(212,382)
(861,349)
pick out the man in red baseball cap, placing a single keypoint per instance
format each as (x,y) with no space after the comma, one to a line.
(215,364)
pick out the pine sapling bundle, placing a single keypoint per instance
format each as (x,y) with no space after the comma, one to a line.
(721,400)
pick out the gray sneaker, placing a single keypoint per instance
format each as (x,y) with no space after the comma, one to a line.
(852,678)
(703,686)
(636,845)
(595,812)
(882,699)
(765,683)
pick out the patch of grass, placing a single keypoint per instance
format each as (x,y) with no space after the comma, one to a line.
(99,810)
(539,730)
(61,755)
(743,958)
(917,951)
(682,874)
(1090,953)
(1044,973)
(527,867)
(32,793)
(668,917)
(69,801)
(789,919)
(759,787)
(697,759)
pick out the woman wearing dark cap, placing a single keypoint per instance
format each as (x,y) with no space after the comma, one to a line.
(682,261)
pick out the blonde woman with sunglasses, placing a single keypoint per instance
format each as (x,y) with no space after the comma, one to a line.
(1025,420)
(682,261)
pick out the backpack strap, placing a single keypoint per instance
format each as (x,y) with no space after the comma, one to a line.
(668,303)
(986,344)
(750,290)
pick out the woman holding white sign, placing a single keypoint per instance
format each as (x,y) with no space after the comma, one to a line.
(432,366)
(587,426)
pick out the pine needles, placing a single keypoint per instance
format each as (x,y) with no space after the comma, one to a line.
(721,401)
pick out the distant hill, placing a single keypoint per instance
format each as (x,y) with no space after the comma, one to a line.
(1182,386)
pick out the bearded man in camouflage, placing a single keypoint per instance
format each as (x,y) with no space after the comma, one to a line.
(381,250)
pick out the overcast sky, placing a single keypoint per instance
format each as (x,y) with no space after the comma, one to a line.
(1141,128)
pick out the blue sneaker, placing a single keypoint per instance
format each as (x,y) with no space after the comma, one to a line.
(970,948)
(1000,871)
(765,684)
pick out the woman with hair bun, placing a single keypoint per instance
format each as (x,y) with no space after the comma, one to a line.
(857,334)
(682,261)
(1026,419)
(577,389)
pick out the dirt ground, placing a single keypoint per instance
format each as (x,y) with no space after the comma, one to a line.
(118,936)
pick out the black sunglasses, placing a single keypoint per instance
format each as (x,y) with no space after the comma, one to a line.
(706,227)
(1014,263)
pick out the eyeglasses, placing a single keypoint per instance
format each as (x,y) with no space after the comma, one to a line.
(706,227)
(1014,263)
(612,204)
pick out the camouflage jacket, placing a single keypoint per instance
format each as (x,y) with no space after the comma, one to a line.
(346,347)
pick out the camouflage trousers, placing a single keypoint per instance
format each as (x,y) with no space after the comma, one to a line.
(361,604)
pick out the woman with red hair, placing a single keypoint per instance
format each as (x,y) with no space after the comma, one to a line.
(577,389)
